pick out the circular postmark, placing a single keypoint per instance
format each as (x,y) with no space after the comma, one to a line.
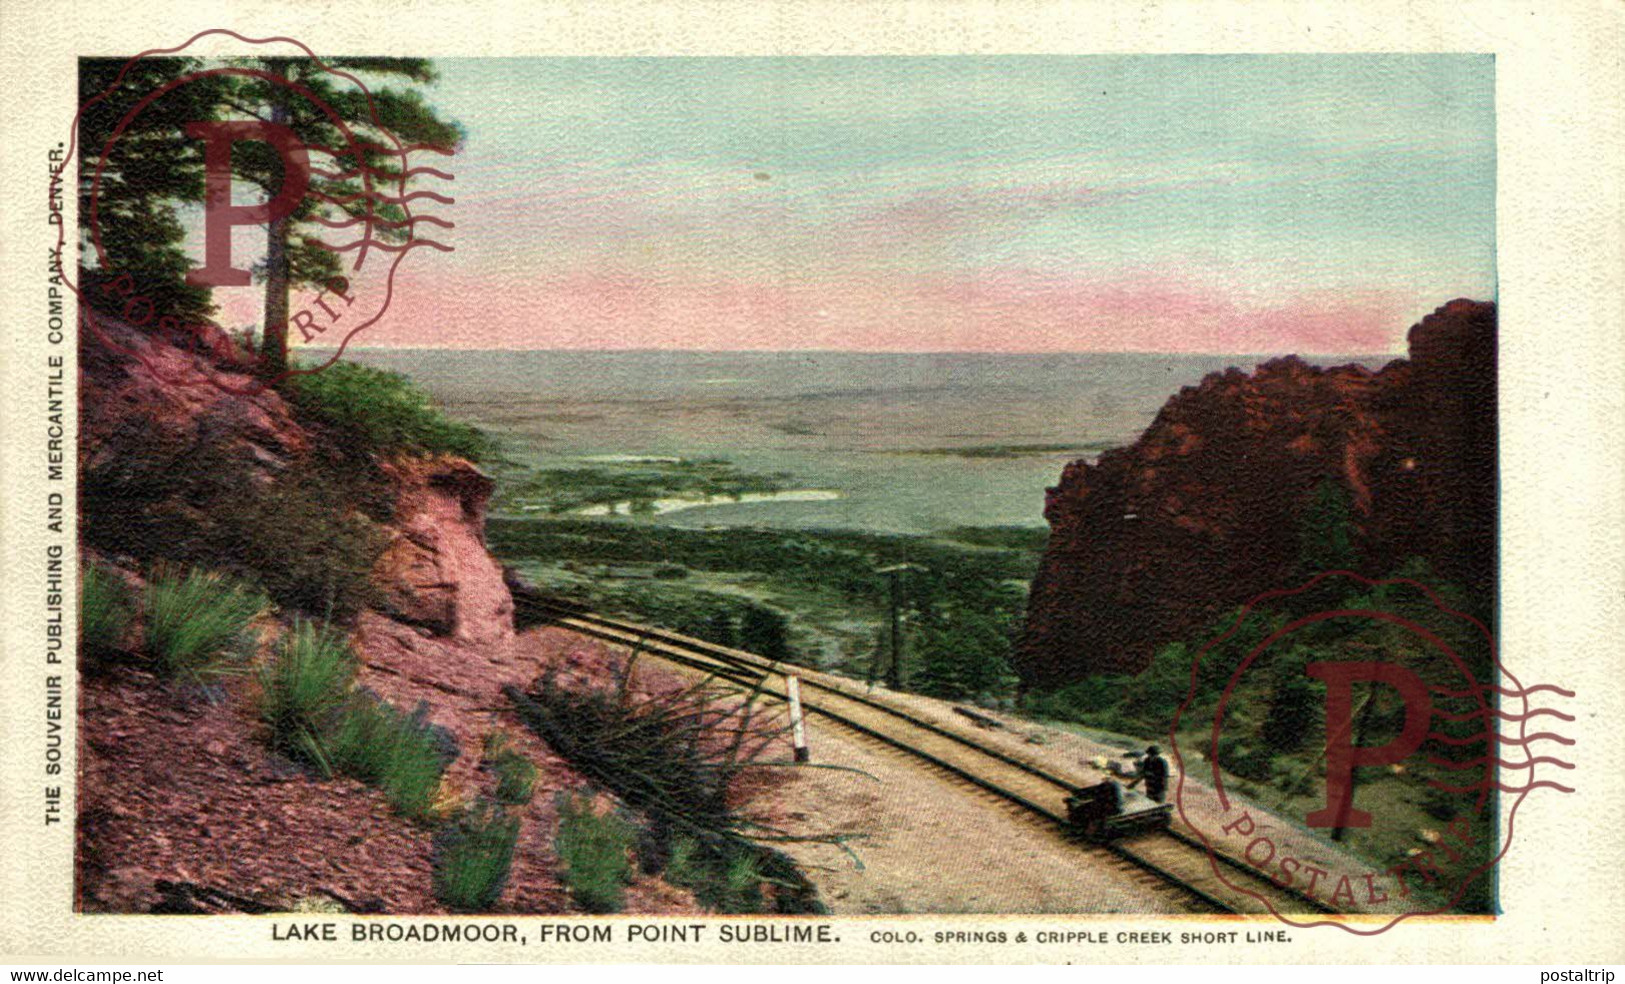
(1351,739)
(351,196)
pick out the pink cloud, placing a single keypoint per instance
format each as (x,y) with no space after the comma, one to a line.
(1017,309)
(953,209)
(998,311)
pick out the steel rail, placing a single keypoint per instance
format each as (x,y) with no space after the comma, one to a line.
(751,671)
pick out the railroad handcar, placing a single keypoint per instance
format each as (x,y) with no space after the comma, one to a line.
(1107,811)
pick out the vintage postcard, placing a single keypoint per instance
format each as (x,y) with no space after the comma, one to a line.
(812,484)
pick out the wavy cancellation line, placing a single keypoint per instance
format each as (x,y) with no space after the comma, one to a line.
(385,223)
(370,243)
(1499,763)
(375,148)
(378,172)
(1492,736)
(1502,691)
(384,199)
(1504,716)
(1486,785)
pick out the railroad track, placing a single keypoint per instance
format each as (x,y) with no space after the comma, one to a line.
(1171,857)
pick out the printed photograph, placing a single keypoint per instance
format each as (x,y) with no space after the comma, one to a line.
(791,486)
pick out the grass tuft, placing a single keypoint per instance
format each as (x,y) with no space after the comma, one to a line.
(472,858)
(516,775)
(314,710)
(316,713)
(104,612)
(399,753)
(595,849)
(674,759)
(742,883)
(197,623)
(304,687)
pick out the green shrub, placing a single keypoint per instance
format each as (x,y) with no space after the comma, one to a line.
(962,658)
(516,776)
(674,759)
(304,687)
(381,412)
(1441,806)
(654,754)
(472,858)
(1290,717)
(308,536)
(399,753)
(1081,701)
(725,875)
(595,849)
(742,883)
(685,866)
(765,632)
(299,538)
(730,874)
(1295,780)
(1160,688)
(1247,762)
(104,612)
(197,624)
(309,699)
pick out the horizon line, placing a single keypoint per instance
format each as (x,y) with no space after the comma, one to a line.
(845,351)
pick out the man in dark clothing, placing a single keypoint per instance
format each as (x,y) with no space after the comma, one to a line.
(1154,770)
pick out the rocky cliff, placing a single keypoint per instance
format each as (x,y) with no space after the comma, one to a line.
(435,570)
(1155,540)
(186,804)
(184,458)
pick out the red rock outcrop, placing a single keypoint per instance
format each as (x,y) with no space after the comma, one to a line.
(169,436)
(145,403)
(1155,540)
(436,572)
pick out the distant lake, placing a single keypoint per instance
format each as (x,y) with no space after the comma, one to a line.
(910,443)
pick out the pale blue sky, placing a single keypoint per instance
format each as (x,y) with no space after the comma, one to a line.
(969,203)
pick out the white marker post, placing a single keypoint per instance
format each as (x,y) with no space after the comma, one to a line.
(798,730)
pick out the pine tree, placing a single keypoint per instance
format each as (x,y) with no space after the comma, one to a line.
(964,657)
(934,669)
(1326,531)
(139,180)
(764,632)
(1291,714)
(719,628)
(376,119)
(131,182)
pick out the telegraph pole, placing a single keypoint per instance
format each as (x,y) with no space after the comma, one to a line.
(798,727)
(894,669)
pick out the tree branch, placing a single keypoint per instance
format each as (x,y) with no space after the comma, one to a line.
(239,107)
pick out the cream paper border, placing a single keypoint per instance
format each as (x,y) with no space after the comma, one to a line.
(1560,88)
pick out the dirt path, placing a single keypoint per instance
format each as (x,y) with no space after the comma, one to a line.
(1067,754)
(996,748)
(923,840)
(928,843)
